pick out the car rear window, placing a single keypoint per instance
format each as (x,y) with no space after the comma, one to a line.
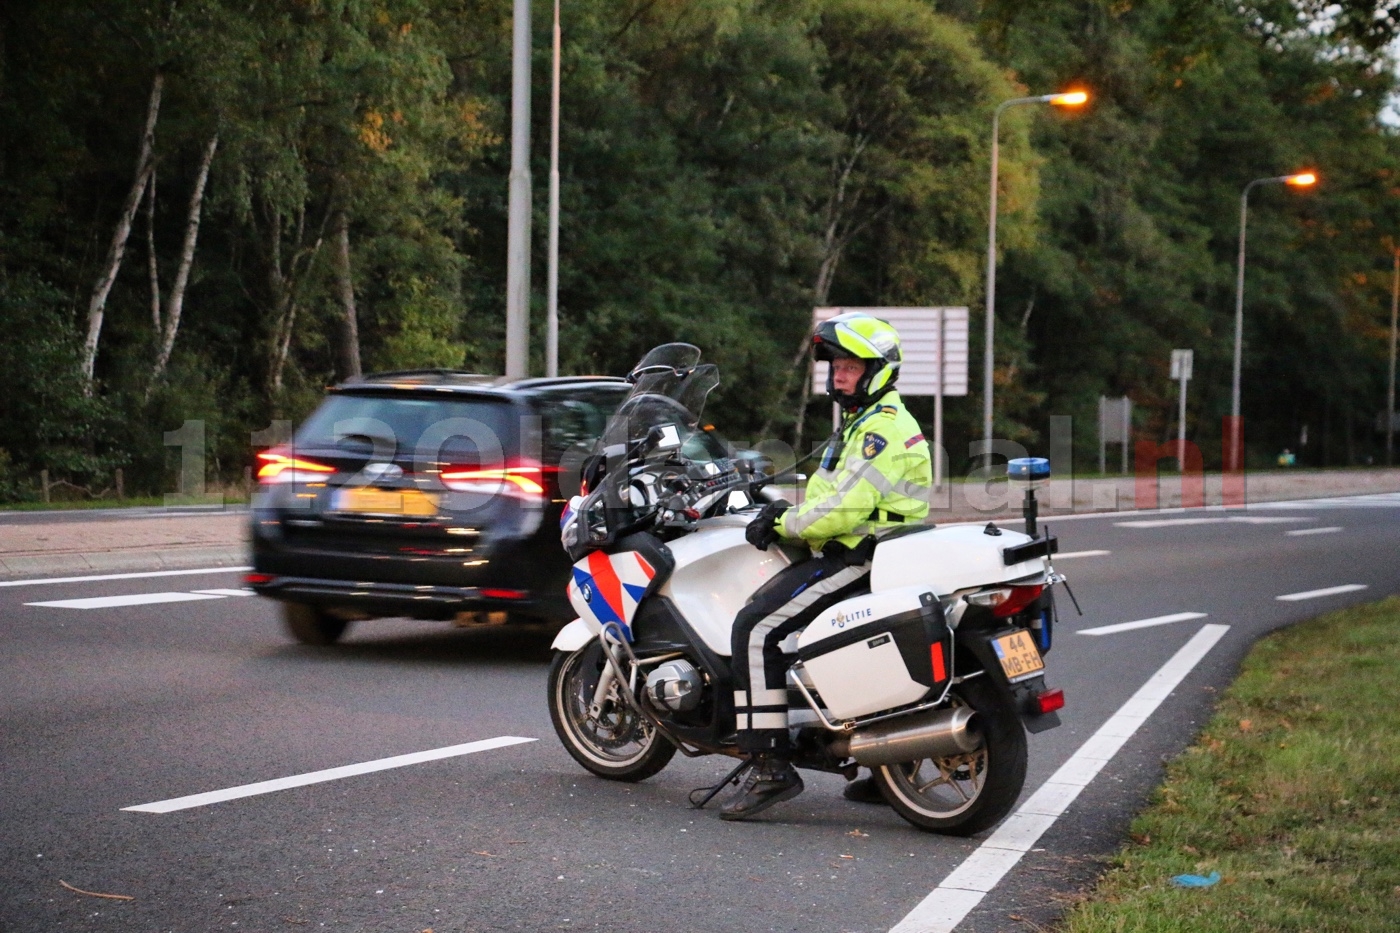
(477,430)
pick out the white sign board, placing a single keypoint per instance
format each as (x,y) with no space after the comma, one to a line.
(920,337)
(1181,364)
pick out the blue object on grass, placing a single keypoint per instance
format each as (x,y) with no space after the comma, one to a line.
(1196,881)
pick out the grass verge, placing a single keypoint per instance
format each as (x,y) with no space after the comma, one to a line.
(1292,794)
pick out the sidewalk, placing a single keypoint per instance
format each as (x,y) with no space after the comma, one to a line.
(35,544)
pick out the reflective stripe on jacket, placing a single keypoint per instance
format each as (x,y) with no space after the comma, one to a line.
(883,465)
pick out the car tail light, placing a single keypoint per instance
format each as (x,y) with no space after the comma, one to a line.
(522,482)
(1008,600)
(256,578)
(491,593)
(280,468)
(1048,701)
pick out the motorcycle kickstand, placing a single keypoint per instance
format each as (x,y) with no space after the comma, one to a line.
(731,778)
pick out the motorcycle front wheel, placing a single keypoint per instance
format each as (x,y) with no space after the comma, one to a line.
(964,794)
(617,743)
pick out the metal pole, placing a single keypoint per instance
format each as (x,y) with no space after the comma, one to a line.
(1233,461)
(1390,392)
(518,231)
(1181,429)
(938,406)
(989,342)
(988,349)
(551,342)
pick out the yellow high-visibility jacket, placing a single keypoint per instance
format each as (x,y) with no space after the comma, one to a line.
(882,468)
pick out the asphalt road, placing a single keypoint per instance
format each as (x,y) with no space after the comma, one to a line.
(116,706)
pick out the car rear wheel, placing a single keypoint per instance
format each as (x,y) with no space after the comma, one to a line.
(312,625)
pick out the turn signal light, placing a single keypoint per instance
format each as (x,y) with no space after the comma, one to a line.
(1050,700)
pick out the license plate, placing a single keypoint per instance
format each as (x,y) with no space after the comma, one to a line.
(407,502)
(1018,656)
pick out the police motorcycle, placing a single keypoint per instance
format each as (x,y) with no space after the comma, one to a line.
(931,680)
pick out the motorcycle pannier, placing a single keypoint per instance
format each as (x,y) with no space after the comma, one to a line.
(878,652)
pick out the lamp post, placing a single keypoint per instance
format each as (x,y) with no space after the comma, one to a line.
(551,338)
(1390,390)
(1067,99)
(518,225)
(1299,180)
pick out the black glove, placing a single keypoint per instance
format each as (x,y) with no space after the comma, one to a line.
(760,532)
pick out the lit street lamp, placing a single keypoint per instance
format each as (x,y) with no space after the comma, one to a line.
(1068,99)
(1300,180)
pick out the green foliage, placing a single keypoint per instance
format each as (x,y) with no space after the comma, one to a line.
(46,423)
(725,165)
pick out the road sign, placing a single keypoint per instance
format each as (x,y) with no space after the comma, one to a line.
(1115,427)
(1181,364)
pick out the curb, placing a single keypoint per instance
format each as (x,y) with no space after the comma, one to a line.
(121,561)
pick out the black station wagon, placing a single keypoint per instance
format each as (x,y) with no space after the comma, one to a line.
(425,494)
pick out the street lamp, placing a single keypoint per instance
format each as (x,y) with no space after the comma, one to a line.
(1299,180)
(1066,99)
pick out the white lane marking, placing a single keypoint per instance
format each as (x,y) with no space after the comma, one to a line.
(216,592)
(1313,531)
(1233,519)
(964,888)
(1373,501)
(1318,594)
(1073,554)
(131,599)
(1143,623)
(330,774)
(123,576)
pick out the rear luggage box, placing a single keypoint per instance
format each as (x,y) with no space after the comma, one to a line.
(873,653)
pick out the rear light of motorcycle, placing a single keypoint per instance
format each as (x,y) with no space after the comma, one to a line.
(525,482)
(278,468)
(1008,600)
(1047,701)
(256,578)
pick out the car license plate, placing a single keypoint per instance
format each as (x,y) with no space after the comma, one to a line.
(364,499)
(1018,656)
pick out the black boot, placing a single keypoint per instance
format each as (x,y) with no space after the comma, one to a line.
(771,780)
(864,790)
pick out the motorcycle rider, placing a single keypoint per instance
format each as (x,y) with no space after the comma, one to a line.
(875,475)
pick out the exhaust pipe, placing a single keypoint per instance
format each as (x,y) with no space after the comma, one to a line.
(937,734)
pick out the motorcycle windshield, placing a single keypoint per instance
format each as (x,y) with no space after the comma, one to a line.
(659,419)
(669,387)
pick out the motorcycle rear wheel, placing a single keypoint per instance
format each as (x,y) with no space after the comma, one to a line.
(618,744)
(967,793)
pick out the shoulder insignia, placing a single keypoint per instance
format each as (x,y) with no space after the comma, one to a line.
(889,409)
(872,446)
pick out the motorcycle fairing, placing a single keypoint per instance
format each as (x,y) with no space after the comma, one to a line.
(606,588)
